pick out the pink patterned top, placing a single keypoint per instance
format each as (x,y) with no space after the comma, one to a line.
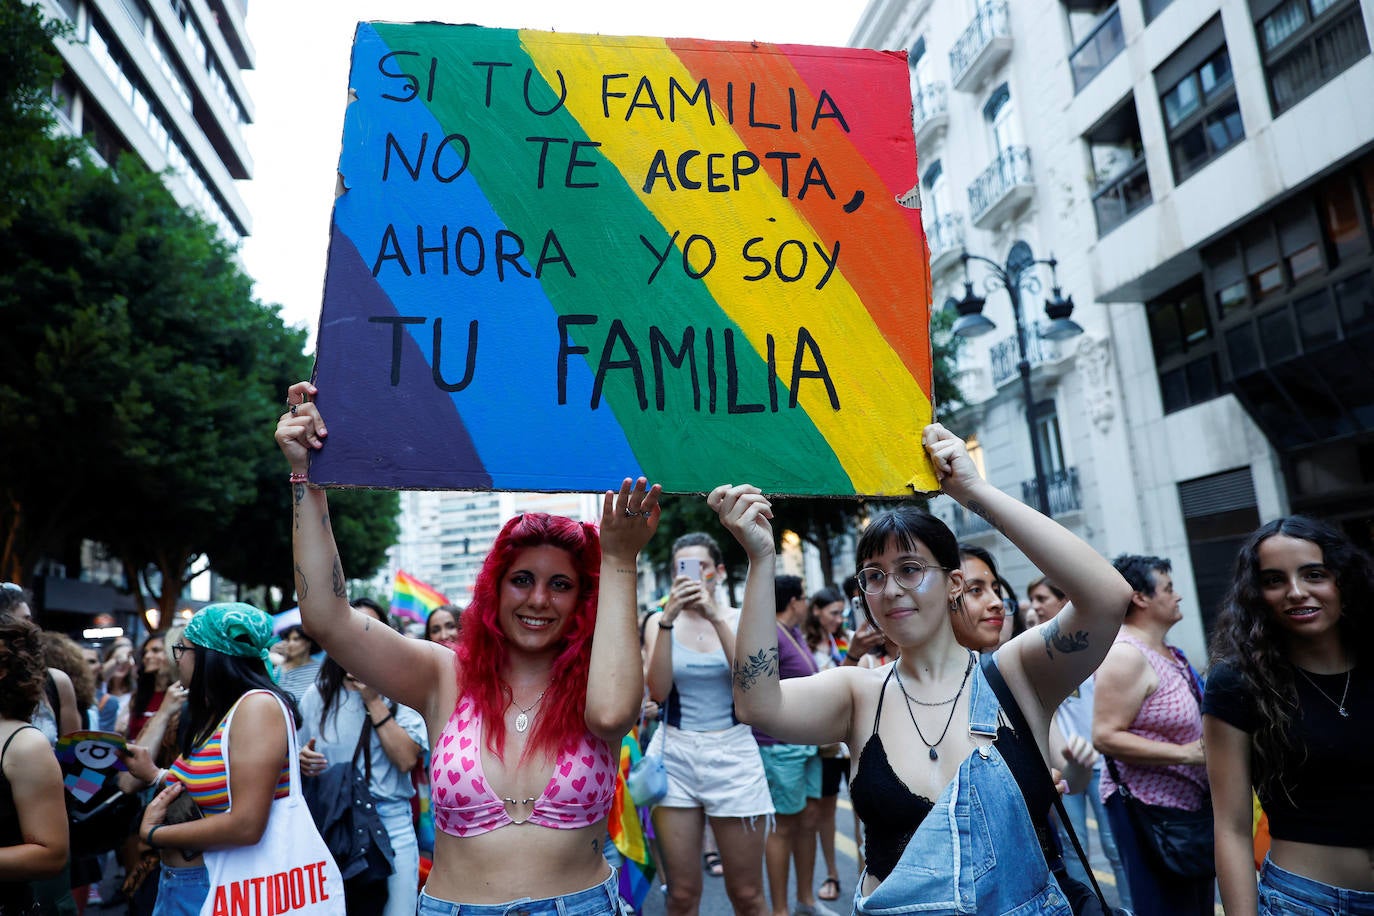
(578,794)
(1173,714)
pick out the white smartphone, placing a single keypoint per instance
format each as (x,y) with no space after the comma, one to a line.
(691,567)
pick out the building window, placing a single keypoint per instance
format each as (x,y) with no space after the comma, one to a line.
(1305,43)
(1153,8)
(1219,512)
(1198,98)
(1184,348)
(1100,42)
(1293,297)
(1121,183)
(999,113)
(1047,436)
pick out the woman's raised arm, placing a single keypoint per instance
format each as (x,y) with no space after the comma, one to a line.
(1054,658)
(410,671)
(615,683)
(807,710)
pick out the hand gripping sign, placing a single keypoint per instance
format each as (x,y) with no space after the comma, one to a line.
(556,259)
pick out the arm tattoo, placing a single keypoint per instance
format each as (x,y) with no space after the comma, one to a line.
(340,585)
(762,664)
(630,572)
(302,586)
(297,494)
(985,514)
(1064,642)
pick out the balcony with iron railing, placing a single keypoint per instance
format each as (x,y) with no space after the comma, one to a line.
(929,112)
(1001,188)
(1006,357)
(982,47)
(965,524)
(945,236)
(1098,49)
(1122,197)
(1063,490)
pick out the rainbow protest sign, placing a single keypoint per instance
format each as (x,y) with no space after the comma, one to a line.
(559,260)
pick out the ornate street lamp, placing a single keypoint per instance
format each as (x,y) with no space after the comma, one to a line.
(1018,275)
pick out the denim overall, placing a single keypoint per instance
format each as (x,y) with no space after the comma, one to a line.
(976,852)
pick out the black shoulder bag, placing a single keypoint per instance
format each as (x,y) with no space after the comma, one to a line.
(1085,902)
(340,801)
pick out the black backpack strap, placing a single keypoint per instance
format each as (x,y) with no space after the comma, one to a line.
(1019,724)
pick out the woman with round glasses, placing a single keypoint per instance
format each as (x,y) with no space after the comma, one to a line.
(927,731)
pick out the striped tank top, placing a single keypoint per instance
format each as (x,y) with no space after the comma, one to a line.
(205,777)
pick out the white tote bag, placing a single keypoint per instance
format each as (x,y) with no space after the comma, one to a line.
(289,871)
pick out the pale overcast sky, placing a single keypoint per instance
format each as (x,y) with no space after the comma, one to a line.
(301,80)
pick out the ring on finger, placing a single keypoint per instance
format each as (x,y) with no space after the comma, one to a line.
(294,407)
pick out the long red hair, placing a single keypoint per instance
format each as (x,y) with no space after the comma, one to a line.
(483,649)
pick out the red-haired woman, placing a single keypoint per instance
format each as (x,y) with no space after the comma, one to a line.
(525,711)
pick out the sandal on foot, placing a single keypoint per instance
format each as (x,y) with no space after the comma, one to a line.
(711,862)
(830,889)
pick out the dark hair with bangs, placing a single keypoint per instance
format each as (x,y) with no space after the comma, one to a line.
(905,526)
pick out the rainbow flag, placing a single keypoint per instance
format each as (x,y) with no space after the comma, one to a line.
(670,257)
(413,599)
(627,832)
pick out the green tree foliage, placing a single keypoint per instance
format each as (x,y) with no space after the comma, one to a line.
(139,378)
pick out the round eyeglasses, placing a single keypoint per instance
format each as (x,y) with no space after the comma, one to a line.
(908,575)
(177,650)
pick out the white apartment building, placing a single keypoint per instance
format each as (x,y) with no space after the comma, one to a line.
(1203,172)
(162,78)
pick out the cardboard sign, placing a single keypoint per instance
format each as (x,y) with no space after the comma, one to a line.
(560,260)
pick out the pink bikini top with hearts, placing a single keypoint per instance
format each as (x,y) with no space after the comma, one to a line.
(577,795)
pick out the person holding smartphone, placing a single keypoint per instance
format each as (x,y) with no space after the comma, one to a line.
(714,767)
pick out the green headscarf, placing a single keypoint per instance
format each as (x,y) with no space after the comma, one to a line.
(233,628)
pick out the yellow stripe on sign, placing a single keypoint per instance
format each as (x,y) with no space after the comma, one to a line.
(887,398)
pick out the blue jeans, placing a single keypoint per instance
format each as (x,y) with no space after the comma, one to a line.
(1077,808)
(403,887)
(1282,893)
(182,891)
(601,900)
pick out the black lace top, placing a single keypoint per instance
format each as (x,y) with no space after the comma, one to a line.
(891,812)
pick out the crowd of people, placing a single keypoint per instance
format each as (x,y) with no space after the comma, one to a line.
(922,683)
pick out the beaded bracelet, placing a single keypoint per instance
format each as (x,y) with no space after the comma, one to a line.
(297,477)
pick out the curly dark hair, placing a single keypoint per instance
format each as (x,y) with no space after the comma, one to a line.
(24,669)
(1249,639)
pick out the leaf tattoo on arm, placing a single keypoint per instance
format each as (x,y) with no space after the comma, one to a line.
(761,664)
(340,584)
(1066,643)
(302,586)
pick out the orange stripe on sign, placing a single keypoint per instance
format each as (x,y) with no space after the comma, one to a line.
(897,295)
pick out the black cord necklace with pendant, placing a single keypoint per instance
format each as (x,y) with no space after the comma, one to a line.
(954,705)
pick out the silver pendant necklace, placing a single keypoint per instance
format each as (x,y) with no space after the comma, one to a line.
(934,755)
(522,721)
(1340,707)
